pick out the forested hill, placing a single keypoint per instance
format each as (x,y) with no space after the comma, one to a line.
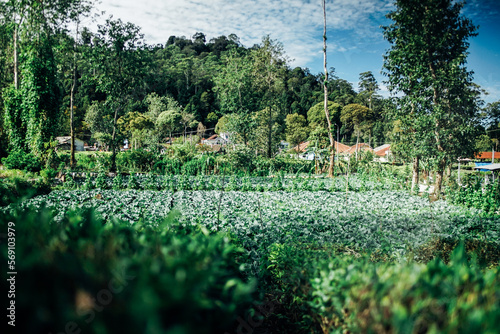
(46,55)
(115,86)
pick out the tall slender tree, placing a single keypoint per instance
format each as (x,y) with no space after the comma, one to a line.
(117,72)
(426,63)
(331,164)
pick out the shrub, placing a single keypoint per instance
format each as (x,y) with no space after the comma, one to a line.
(109,276)
(17,189)
(343,290)
(18,159)
(137,161)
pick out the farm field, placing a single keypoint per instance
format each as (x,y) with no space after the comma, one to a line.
(291,255)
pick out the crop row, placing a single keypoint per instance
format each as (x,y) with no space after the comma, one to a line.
(232,183)
(392,221)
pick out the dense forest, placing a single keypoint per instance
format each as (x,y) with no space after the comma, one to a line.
(187,84)
(57,76)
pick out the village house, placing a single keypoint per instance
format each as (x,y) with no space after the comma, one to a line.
(64,144)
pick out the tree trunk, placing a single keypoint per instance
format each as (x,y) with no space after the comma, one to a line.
(71,107)
(113,143)
(270,133)
(439,179)
(448,171)
(415,177)
(357,143)
(327,112)
(16,70)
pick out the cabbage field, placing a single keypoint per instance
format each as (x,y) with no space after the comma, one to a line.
(392,220)
(285,255)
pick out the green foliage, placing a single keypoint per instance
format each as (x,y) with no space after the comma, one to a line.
(473,193)
(18,159)
(137,161)
(13,119)
(100,181)
(317,118)
(19,188)
(296,129)
(40,95)
(341,289)
(105,275)
(357,117)
(117,182)
(439,103)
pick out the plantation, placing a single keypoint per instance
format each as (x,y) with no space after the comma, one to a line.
(283,254)
(198,185)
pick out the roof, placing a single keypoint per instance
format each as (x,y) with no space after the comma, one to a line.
(489,167)
(211,137)
(301,147)
(486,155)
(359,147)
(65,139)
(339,147)
(382,150)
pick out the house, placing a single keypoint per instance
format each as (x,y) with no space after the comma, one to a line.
(487,155)
(215,140)
(309,155)
(64,144)
(341,148)
(301,147)
(358,148)
(382,152)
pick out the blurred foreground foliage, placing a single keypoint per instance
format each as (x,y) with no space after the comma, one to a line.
(99,276)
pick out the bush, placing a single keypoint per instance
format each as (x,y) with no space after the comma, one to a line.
(97,161)
(107,276)
(475,194)
(19,159)
(342,290)
(136,161)
(17,189)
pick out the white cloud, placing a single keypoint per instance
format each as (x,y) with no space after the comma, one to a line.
(296,23)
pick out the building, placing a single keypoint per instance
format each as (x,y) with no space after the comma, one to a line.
(309,155)
(487,155)
(358,148)
(215,140)
(64,144)
(382,152)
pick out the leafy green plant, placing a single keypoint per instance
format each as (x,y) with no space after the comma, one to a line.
(133,274)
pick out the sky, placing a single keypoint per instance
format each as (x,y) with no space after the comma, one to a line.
(355,40)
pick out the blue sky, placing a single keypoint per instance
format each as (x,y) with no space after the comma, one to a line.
(355,41)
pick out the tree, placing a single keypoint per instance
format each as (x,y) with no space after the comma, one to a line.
(234,88)
(169,121)
(188,121)
(358,117)
(367,87)
(325,106)
(296,129)
(32,103)
(139,126)
(492,118)
(426,63)
(316,115)
(268,72)
(117,71)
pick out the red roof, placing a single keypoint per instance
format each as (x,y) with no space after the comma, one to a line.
(341,148)
(301,147)
(486,155)
(211,138)
(381,151)
(359,147)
